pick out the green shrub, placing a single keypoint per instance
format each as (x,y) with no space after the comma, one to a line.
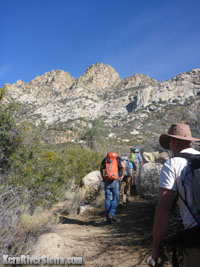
(33,175)
(10,132)
(47,174)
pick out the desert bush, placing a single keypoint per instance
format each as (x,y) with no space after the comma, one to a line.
(19,228)
(47,174)
(10,132)
(32,175)
(40,180)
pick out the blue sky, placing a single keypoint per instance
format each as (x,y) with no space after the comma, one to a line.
(155,37)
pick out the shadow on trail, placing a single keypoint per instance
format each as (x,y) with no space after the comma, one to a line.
(65,220)
(124,243)
(131,236)
(135,226)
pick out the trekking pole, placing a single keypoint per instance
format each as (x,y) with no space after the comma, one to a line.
(152,263)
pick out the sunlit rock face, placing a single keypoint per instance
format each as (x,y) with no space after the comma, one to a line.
(57,97)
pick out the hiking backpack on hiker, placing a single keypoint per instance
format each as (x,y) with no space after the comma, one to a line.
(194,168)
(189,238)
(111,171)
(132,157)
(125,161)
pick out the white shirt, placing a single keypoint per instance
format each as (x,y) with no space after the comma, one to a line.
(172,173)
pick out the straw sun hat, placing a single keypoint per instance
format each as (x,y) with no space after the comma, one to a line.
(179,131)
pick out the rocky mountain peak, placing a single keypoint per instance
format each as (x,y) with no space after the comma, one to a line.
(98,76)
(59,77)
(190,76)
(138,80)
(56,98)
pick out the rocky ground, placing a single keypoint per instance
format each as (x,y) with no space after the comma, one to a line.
(125,243)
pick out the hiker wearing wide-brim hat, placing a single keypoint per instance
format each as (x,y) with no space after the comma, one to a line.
(176,177)
(178,131)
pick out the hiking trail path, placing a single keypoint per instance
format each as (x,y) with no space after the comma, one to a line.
(124,243)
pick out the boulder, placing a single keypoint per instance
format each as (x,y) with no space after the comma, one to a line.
(155,157)
(92,180)
(147,180)
(91,185)
(50,244)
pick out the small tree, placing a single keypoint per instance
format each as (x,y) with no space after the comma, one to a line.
(10,131)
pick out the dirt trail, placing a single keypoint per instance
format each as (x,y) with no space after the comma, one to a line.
(125,243)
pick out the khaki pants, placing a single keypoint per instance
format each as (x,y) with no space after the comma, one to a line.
(137,169)
(126,182)
(192,257)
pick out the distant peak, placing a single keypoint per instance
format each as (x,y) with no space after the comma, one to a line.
(98,75)
(100,67)
(191,75)
(55,73)
(138,80)
(58,78)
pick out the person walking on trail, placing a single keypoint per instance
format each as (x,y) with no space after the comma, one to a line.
(125,184)
(112,171)
(176,176)
(138,161)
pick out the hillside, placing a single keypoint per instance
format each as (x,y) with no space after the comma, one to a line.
(59,133)
(133,110)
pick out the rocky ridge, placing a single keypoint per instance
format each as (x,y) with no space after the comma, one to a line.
(57,97)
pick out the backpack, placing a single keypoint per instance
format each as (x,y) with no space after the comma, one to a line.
(189,238)
(125,161)
(132,158)
(194,161)
(111,171)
